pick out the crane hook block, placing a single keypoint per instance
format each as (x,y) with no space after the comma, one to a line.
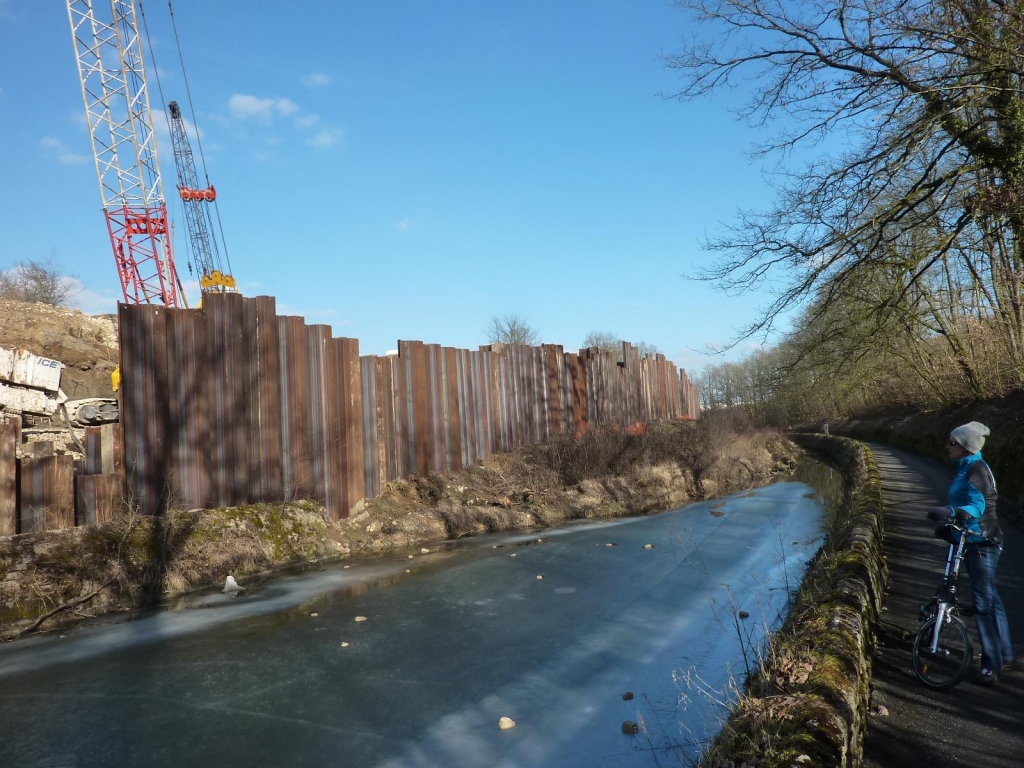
(209,194)
(218,280)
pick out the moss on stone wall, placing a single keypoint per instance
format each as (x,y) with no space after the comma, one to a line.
(807,703)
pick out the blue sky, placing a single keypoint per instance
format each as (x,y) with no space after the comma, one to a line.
(407,169)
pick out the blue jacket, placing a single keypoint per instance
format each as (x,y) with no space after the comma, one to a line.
(974,492)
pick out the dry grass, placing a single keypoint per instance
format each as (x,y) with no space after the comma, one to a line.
(594,473)
(140,560)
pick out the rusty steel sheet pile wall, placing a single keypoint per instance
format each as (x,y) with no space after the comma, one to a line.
(232,404)
(42,491)
(10,438)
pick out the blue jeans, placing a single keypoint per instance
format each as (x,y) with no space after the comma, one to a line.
(989,613)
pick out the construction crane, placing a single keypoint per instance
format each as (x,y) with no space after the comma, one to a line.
(196,202)
(112,72)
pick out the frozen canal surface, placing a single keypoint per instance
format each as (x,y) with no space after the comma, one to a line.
(468,636)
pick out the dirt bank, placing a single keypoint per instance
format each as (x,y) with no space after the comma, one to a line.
(134,561)
(86,345)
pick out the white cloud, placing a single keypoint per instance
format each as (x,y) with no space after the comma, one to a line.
(93,303)
(287,107)
(60,152)
(243,106)
(246,108)
(327,137)
(287,309)
(404,225)
(190,285)
(317,80)
(70,158)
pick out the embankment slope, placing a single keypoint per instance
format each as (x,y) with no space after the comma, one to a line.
(54,578)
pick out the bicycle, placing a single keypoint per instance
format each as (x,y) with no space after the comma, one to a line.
(942,648)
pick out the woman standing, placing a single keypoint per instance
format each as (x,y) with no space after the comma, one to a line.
(972,498)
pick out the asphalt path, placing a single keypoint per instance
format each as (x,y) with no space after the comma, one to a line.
(969,724)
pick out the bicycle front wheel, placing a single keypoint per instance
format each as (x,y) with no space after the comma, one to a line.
(948,665)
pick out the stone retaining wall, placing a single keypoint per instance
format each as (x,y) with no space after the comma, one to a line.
(807,704)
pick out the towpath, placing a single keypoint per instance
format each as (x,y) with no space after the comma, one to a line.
(970,724)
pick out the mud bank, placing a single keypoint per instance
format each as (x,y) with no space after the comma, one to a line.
(49,580)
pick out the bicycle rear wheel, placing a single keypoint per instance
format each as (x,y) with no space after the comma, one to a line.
(950,662)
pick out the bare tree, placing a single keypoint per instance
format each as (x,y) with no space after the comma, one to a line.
(646,349)
(612,344)
(510,329)
(927,95)
(606,341)
(38,280)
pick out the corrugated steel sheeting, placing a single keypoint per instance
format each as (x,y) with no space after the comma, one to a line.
(103,450)
(232,404)
(47,494)
(9,439)
(97,497)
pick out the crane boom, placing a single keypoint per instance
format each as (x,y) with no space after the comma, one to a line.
(196,203)
(113,78)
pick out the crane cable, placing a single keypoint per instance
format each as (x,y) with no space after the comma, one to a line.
(167,120)
(199,141)
(160,90)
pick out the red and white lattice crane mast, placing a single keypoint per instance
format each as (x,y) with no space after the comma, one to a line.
(112,72)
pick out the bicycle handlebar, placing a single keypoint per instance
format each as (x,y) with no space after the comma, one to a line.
(953,517)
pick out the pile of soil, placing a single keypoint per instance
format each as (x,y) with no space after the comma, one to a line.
(86,345)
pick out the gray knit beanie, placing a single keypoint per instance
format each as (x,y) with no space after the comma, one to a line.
(971,436)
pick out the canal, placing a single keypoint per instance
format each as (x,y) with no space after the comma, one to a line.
(412,661)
